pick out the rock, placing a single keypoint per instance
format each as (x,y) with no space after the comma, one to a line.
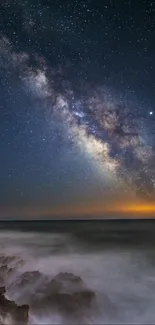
(54,286)
(71,303)
(29,278)
(2,290)
(25,280)
(2,258)
(9,309)
(8,259)
(24,285)
(3,270)
(68,277)
(5,274)
(85,297)
(21,314)
(66,282)
(67,294)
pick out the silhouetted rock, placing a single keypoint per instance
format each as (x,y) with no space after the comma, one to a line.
(2,258)
(67,294)
(67,282)
(2,290)
(5,274)
(84,297)
(8,259)
(20,314)
(3,270)
(29,277)
(8,308)
(64,276)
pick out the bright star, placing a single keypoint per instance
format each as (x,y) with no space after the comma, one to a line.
(80,114)
(151,113)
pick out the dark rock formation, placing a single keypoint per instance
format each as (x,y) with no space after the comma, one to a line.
(18,314)
(28,278)
(5,274)
(8,259)
(67,294)
(3,270)
(2,291)
(25,280)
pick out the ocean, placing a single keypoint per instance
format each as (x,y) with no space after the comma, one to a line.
(112,259)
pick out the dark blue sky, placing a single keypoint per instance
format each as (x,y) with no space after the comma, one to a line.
(77,102)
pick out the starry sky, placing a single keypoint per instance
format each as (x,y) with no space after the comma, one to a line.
(77,108)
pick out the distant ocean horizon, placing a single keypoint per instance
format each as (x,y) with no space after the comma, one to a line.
(115,232)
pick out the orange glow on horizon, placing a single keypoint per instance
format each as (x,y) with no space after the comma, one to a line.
(139,208)
(104,209)
(133,209)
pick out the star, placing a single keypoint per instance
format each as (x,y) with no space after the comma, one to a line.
(76,95)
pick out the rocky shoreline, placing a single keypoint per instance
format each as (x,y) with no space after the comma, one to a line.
(66,294)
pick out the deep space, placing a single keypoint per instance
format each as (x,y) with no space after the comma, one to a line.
(77,108)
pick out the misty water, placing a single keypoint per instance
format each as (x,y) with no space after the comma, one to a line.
(114,259)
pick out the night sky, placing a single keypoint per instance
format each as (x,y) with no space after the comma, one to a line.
(77,108)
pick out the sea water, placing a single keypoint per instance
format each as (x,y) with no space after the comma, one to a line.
(115,259)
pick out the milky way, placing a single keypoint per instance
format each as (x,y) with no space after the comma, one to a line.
(95,119)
